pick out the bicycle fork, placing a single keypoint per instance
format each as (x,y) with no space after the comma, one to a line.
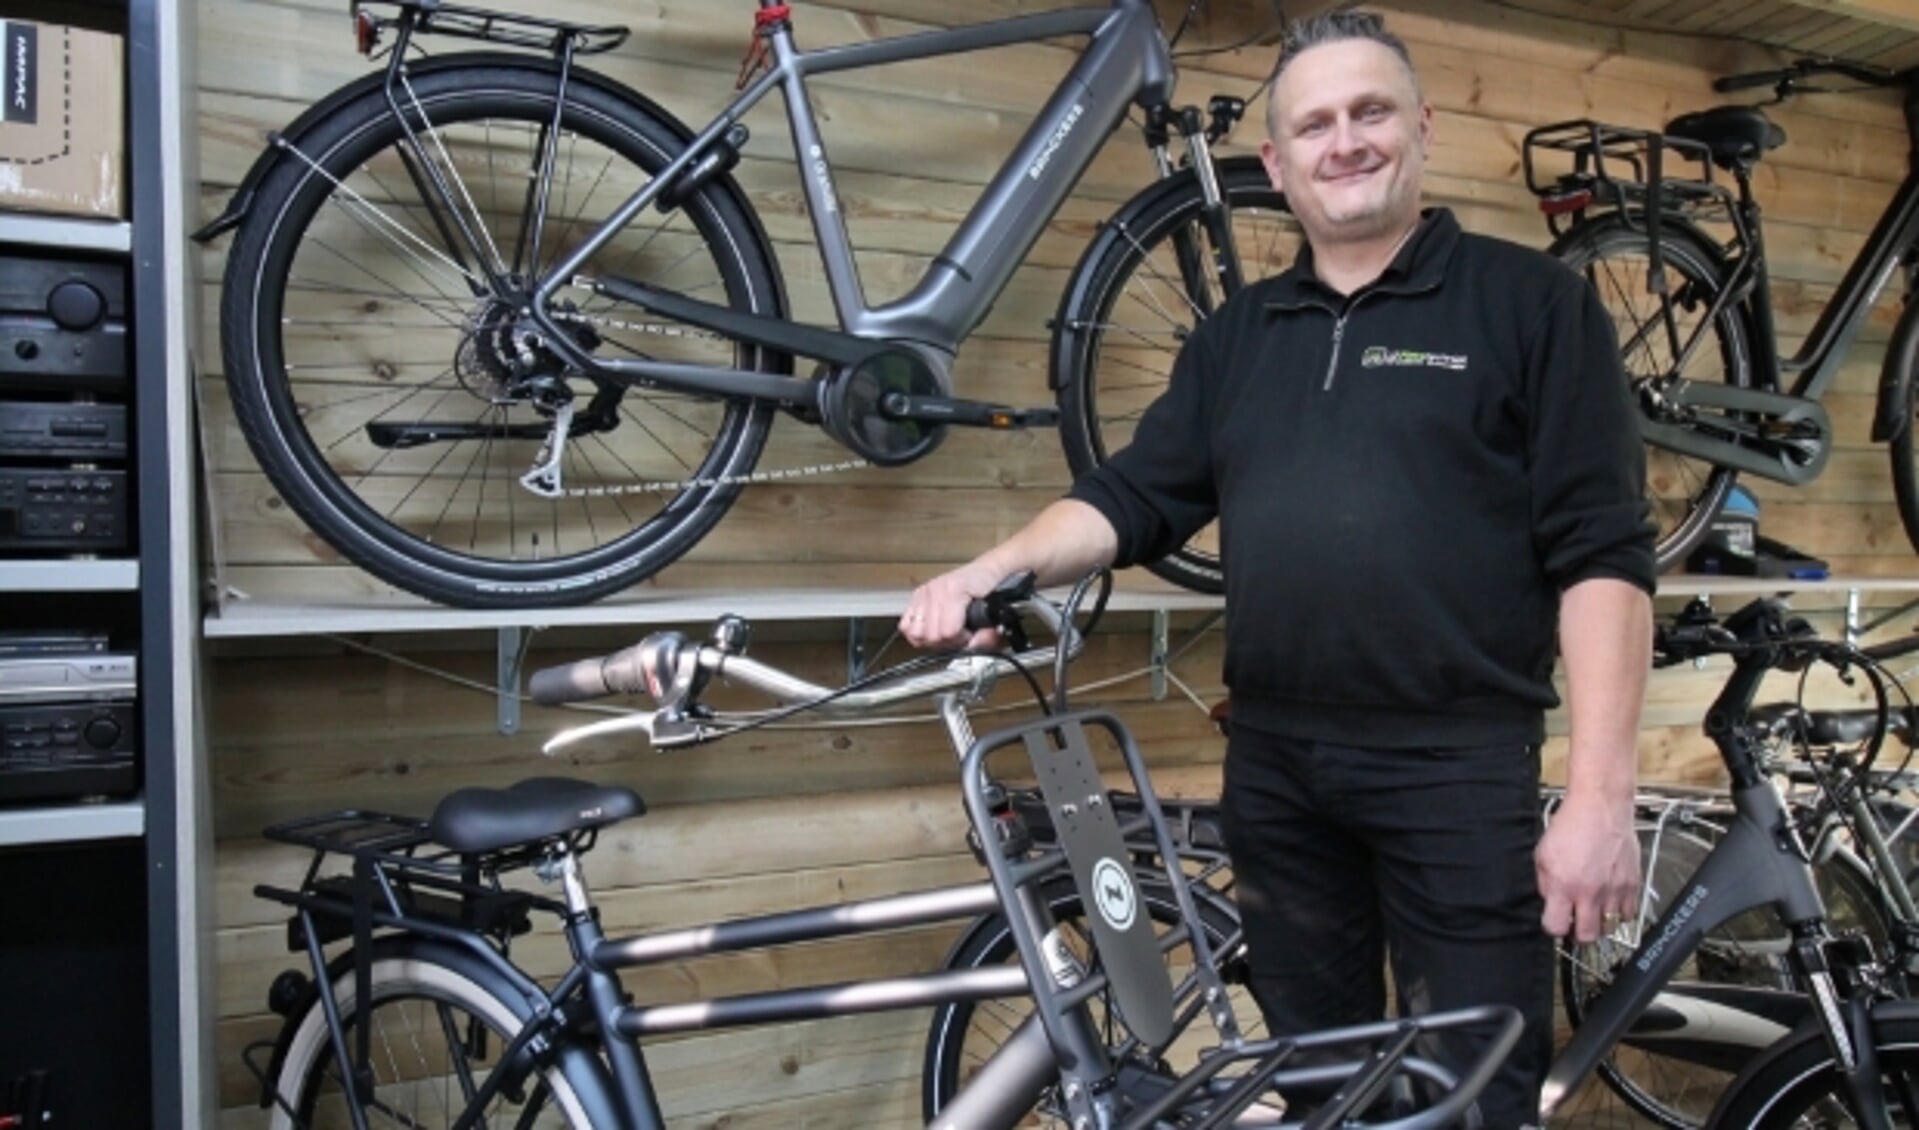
(1196,268)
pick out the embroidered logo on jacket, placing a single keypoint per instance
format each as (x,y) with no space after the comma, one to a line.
(1379,357)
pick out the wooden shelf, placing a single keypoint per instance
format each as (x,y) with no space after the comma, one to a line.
(72,823)
(69,576)
(66,232)
(244,618)
(1686,584)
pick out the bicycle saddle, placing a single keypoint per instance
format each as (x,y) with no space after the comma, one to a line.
(471,821)
(1737,135)
(1832,727)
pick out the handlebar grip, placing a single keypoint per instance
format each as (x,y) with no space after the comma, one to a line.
(1728,83)
(569,682)
(618,673)
(979,614)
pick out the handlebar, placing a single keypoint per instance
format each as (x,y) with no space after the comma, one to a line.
(1784,79)
(672,670)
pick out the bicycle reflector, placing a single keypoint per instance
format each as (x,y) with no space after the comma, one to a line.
(1564,201)
(366,31)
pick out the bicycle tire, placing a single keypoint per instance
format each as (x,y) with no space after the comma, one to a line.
(409,978)
(1798,1084)
(1904,352)
(1675,1089)
(1610,251)
(348,308)
(963,1034)
(1109,358)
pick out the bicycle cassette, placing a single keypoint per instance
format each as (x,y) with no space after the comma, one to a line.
(851,399)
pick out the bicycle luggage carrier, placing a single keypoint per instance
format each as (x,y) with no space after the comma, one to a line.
(1620,167)
(1107,836)
(400,876)
(509,29)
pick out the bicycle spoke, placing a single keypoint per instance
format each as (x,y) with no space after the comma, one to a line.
(377,214)
(459,182)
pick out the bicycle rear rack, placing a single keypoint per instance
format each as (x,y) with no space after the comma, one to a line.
(509,29)
(411,875)
(1632,170)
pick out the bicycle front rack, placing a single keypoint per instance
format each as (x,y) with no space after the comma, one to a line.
(1107,837)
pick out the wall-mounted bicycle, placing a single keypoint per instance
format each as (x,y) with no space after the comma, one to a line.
(1695,313)
(505,332)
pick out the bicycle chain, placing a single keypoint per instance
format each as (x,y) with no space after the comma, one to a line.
(706,483)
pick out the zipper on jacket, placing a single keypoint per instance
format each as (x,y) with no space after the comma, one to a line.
(1339,332)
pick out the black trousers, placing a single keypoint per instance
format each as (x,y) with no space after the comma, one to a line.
(1345,858)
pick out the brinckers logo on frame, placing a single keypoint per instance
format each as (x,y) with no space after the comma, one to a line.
(1379,357)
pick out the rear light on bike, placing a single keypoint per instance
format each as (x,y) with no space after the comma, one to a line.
(366,32)
(1560,203)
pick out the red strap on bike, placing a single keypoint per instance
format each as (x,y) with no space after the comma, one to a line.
(757,51)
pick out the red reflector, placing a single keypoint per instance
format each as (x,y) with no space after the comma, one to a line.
(1567,202)
(366,31)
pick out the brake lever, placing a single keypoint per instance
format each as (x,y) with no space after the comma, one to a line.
(639,720)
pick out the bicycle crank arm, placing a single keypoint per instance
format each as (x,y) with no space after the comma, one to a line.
(1783,438)
(965,413)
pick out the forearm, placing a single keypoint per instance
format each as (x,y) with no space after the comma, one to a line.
(1062,543)
(1605,639)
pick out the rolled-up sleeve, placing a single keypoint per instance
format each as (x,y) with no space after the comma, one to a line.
(1158,491)
(1588,463)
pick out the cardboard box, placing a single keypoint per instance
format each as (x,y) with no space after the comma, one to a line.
(62,120)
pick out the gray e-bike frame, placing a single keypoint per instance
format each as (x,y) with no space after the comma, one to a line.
(1127,62)
(1759,862)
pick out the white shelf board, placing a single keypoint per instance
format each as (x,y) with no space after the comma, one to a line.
(69,232)
(1686,584)
(241,618)
(71,823)
(69,576)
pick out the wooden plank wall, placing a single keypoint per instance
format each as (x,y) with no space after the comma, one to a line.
(794,817)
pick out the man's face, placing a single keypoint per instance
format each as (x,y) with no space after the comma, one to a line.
(1351,142)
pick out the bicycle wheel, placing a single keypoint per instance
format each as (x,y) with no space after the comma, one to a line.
(1685,492)
(380,374)
(965,1034)
(437,1035)
(1137,294)
(1661,1073)
(1801,1087)
(1904,351)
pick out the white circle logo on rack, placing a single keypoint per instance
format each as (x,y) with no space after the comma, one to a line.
(1113,894)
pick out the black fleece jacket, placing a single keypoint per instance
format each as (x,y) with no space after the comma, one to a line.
(1406,480)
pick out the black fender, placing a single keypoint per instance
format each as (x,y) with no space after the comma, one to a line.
(1883,1012)
(1111,232)
(579,1061)
(374,81)
(1894,413)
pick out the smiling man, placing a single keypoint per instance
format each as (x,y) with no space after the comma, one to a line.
(1420,447)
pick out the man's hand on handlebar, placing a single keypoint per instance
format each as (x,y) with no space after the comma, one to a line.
(937,614)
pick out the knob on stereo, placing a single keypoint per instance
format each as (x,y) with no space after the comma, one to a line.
(76,305)
(102,733)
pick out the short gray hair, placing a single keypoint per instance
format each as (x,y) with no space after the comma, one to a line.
(1337,26)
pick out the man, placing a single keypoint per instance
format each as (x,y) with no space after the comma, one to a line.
(1422,454)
